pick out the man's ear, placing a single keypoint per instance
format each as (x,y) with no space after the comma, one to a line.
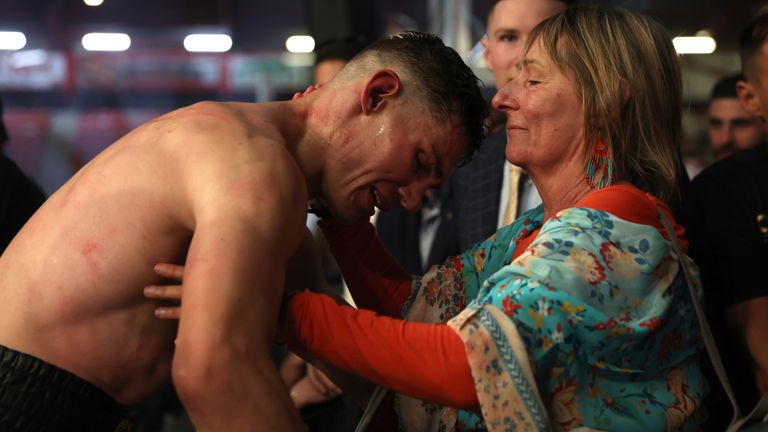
(487,54)
(748,98)
(381,85)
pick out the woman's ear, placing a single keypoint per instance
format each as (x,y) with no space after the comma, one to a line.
(626,91)
(381,85)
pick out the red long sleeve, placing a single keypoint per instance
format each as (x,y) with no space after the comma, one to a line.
(375,279)
(425,361)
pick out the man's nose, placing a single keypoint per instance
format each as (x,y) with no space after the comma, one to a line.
(728,132)
(411,195)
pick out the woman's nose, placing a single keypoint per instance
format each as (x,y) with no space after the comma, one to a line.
(505,98)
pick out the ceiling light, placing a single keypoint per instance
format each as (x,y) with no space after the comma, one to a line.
(300,44)
(694,44)
(93,2)
(11,40)
(201,42)
(29,58)
(106,42)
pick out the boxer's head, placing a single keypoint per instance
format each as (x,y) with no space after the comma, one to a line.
(419,111)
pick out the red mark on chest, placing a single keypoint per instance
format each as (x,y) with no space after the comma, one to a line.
(89,251)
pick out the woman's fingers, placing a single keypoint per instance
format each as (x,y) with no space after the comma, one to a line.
(170,312)
(163,292)
(170,271)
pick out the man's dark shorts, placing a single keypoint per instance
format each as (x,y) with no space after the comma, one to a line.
(38,396)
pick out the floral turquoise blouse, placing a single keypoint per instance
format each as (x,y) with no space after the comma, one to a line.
(592,326)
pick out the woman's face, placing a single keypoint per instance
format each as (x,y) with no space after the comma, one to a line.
(545,119)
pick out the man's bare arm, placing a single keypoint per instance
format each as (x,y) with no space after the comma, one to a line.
(222,368)
(247,200)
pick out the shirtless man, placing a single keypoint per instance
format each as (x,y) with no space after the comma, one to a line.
(222,187)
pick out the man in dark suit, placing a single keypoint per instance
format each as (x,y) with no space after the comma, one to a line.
(423,239)
(477,190)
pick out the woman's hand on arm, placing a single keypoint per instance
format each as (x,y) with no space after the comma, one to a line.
(170,293)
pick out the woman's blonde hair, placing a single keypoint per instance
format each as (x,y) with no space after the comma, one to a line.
(628,78)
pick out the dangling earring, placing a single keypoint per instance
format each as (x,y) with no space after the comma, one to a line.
(599,166)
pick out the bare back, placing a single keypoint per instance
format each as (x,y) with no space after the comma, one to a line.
(73,277)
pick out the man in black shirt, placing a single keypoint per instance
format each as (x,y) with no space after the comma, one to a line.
(727,225)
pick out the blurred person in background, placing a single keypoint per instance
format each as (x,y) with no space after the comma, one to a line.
(730,127)
(490,192)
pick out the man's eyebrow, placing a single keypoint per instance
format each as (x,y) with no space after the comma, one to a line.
(742,121)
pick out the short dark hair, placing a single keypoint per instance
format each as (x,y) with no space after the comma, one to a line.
(447,83)
(726,87)
(751,40)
